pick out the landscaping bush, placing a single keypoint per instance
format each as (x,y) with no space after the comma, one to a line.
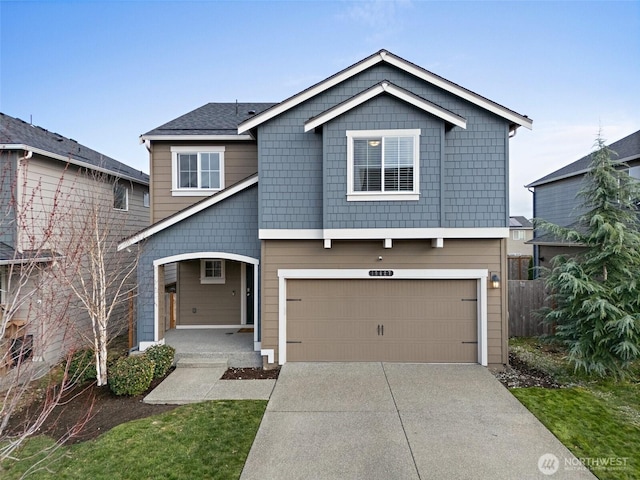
(162,355)
(131,375)
(82,367)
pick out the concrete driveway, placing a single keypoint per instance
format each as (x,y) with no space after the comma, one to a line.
(400,421)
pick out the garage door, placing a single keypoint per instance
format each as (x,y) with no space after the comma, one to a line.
(426,321)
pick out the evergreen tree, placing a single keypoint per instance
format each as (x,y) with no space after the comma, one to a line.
(595,295)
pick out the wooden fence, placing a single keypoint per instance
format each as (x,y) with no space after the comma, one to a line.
(525,297)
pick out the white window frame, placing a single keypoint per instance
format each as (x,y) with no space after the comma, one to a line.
(203,271)
(146,199)
(355,196)
(126,196)
(517,235)
(176,191)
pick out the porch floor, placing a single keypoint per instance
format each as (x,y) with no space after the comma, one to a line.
(212,345)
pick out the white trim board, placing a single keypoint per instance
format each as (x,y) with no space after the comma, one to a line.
(381,233)
(395,91)
(398,274)
(222,138)
(411,68)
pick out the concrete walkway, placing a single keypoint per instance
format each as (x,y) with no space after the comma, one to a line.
(400,421)
(199,384)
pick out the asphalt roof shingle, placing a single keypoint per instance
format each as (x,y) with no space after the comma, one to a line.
(626,148)
(211,119)
(14,131)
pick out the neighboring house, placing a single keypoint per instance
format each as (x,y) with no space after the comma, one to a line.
(361,219)
(555,197)
(48,181)
(520,231)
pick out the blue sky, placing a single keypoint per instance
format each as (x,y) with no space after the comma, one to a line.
(105,72)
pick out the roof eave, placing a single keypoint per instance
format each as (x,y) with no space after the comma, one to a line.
(71,160)
(224,138)
(385,56)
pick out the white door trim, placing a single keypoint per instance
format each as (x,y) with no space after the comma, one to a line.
(398,274)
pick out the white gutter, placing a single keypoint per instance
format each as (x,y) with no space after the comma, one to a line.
(222,138)
(69,159)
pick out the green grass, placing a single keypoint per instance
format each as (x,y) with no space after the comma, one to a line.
(209,440)
(595,418)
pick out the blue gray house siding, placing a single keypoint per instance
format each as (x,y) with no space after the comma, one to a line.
(472,176)
(557,202)
(230,226)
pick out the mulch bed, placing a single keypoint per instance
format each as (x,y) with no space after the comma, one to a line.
(518,374)
(108,410)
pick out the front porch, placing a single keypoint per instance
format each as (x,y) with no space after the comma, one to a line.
(233,347)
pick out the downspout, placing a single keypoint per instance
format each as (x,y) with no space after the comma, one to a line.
(28,154)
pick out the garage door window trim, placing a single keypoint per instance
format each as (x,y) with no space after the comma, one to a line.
(480,275)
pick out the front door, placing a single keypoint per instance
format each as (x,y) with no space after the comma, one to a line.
(249,294)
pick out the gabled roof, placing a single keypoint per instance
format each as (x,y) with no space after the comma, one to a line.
(214,120)
(16,134)
(519,222)
(390,89)
(627,148)
(514,118)
(188,211)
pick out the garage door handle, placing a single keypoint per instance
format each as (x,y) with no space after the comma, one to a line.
(378,330)
(294,341)
(471,342)
(382,330)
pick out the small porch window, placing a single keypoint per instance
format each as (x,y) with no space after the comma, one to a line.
(212,271)
(120,197)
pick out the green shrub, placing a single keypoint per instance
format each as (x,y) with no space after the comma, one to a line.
(162,355)
(82,367)
(131,375)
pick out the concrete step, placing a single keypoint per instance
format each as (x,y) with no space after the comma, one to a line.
(203,362)
(227,359)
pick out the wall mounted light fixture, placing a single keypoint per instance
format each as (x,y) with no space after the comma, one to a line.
(495,280)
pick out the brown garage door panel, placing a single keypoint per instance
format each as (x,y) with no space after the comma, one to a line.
(422,320)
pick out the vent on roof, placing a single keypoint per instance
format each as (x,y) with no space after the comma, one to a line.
(251,112)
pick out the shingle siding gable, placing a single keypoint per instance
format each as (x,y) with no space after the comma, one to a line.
(230,226)
(471,193)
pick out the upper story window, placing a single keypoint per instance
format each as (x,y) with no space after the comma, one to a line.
(145,199)
(120,196)
(197,170)
(383,164)
(517,234)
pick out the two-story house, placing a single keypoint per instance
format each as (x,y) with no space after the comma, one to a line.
(555,197)
(48,181)
(363,219)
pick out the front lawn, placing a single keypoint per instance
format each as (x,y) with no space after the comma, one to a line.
(209,440)
(597,419)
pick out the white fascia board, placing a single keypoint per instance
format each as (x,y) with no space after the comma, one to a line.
(310,92)
(391,89)
(460,91)
(384,56)
(224,138)
(292,234)
(72,161)
(186,213)
(414,233)
(381,233)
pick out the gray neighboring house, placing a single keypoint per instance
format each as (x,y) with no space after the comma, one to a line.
(37,169)
(555,197)
(520,232)
(362,219)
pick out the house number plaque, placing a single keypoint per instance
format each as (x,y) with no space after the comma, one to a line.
(381,273)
